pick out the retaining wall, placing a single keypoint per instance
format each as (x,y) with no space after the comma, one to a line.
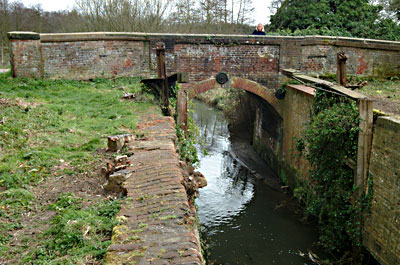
(382,227)
(276,130)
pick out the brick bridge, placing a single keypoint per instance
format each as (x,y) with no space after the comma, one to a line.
(255,64)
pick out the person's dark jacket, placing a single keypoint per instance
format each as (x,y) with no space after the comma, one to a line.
(256,32)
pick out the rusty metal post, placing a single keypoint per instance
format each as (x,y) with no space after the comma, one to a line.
(162,73)
(181,105)
(341,77)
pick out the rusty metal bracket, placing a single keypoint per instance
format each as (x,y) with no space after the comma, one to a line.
(156,83)
(162,84)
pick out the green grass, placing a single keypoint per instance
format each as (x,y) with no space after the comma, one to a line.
(56,120)
(53,130)
(75,233)
(389,89)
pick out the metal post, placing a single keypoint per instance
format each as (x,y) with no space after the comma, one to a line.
(162,73)
(341,77)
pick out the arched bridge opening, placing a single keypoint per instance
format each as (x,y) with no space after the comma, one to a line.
(266,120)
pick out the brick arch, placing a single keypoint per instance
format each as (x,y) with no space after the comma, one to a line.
(265,93)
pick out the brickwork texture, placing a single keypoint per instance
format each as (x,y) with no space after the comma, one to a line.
(158,225)
(85,56)
(382,225)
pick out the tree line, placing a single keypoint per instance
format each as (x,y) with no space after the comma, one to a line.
(181,16)
(356,18)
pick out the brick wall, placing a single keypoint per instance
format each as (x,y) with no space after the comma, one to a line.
(26,58)
(382,227)
(277,126)
(361,61)
(91,59)
(258,58)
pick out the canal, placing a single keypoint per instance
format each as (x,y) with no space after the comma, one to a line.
(245,215)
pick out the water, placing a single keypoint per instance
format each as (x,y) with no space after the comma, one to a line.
(244,215)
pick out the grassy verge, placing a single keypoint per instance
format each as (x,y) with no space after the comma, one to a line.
(388,89)
(52,139)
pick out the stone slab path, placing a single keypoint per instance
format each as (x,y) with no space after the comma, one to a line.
(158,226)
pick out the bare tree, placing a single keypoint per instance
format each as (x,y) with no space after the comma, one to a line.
(123,15)
(245,9)
(4,27)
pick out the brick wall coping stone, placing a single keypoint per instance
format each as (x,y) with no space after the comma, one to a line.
(157,223)
(302,88)
(23,35)
(390,122)
(209,38)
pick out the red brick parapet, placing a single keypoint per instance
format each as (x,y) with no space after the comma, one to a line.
(89,55)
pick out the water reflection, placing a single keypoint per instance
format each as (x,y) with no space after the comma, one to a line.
(226,194)
(240,215)
(213,129)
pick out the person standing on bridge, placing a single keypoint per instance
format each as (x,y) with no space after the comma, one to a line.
(259,30)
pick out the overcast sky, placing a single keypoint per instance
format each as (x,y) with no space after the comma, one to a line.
(260,15)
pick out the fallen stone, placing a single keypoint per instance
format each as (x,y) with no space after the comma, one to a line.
(116,180)
(117,142)
(200,180)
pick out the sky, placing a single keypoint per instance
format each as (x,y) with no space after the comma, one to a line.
(260,16)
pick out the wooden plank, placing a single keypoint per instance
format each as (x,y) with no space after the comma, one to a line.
(365,107)
(290,72)
(340,89)
(306,78)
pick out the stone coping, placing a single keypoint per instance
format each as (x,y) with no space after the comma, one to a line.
(208,38)
(309,91)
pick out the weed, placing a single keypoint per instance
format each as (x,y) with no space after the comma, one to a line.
(145,226)
(134,231)
(17,197)
(168,217)
(65,201)
(134,238)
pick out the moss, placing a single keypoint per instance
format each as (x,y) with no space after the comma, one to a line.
(118,232)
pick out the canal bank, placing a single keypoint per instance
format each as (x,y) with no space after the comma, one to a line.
(157,222)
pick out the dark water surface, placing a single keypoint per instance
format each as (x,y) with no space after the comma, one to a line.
(245,218)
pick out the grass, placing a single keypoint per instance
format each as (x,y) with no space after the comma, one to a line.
(45,121)
(52,134)
(75,233)
(388,89)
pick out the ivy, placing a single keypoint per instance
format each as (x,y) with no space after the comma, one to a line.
(329,143)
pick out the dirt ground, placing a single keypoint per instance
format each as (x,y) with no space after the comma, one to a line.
(386,105)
